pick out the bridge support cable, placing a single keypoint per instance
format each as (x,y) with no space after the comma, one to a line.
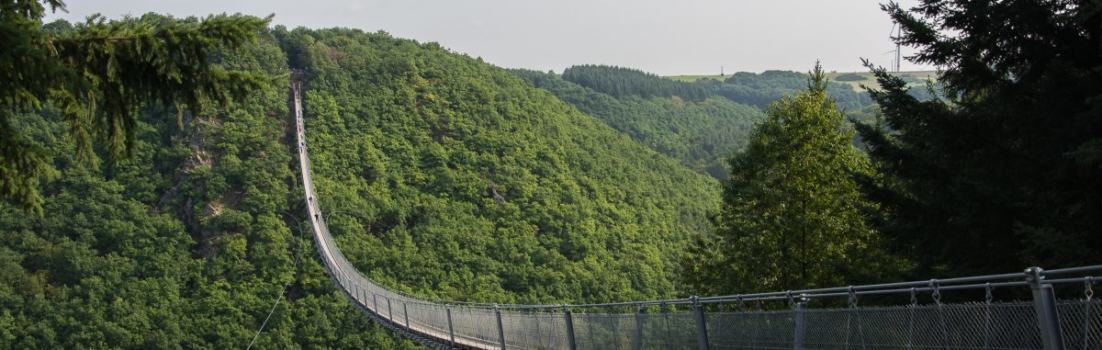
(1052,320)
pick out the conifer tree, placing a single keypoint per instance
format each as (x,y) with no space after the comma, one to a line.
(98,73)
(1004,171)
(792,214)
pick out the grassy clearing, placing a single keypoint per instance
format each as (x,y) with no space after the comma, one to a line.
(692,78)
(917,78)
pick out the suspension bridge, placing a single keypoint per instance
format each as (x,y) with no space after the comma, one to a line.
(1034,309)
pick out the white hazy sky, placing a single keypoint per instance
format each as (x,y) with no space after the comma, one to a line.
(664,37)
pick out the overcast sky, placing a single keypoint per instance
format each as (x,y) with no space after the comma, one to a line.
(665,37)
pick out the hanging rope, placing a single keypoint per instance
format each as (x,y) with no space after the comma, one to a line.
(282,291)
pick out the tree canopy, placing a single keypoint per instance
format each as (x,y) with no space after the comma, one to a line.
(447,177)
(701,134)
(621,81)
(185,243)
(792,215)
(99,73)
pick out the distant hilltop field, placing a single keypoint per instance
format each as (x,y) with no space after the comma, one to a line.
(855,79)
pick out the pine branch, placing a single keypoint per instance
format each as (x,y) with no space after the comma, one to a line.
(99,73)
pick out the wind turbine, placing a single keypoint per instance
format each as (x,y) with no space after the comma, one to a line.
(895,34)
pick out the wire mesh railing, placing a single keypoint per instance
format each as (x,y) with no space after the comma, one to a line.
(1035,309)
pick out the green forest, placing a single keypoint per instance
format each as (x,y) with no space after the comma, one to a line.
(185,243)
(700,123)
(450,178)
(149,195)
(437,171)
(700,133)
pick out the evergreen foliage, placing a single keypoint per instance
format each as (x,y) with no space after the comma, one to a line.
(792,214)
(99,73)
(1006,171)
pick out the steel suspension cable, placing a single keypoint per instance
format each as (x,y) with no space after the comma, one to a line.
(298,254)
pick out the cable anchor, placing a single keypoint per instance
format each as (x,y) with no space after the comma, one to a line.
(936,293)
(987,298)
(1088,287)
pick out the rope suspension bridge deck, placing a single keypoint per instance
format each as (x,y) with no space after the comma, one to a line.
(1035,309)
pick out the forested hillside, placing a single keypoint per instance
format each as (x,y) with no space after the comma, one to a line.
(700,123)
(450,178)
(764,88)
(621,82)
(184,244)
(149,200)
(699,130)
(444,176)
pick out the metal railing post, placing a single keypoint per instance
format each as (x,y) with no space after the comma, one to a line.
(405,311)
(1088,294)
(799,338)
(569,328)
(911,319)
(1044,304)
(637,340)
(500,326)
(987,298)
(935,294)
(701,324)
(389,309)
(451,329)
(375,300)
(666,324)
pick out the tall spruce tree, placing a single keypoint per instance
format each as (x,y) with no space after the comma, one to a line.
(1005,171)
(792,215)
(99,73)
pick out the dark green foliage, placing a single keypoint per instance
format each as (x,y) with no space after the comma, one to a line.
(792,214)
(620,82)
(446,177)
(184,244)
(1008,172)
(99,73)
(701,134)
(295,46)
